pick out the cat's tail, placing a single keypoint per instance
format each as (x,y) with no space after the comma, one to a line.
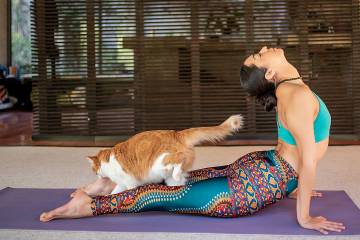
(194,136)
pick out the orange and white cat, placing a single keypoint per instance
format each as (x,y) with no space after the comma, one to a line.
(155,156)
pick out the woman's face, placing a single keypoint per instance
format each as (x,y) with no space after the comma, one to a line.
(266,58)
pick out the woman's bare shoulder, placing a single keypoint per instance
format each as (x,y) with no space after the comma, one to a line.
(298,96)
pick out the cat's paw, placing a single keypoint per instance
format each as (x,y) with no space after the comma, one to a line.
(171,182)
(235,122)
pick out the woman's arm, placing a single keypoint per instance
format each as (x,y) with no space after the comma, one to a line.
(299,120)
(299,114)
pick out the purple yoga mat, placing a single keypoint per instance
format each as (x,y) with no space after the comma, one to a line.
(20,209)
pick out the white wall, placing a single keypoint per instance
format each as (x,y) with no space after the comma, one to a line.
(3,32)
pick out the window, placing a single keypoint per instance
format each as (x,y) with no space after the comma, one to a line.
(21,35)
(117,67)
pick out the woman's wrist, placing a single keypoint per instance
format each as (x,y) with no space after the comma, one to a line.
(303,219)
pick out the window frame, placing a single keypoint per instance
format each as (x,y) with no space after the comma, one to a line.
(8,33)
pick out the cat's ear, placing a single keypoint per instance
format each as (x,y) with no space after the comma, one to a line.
(92,159)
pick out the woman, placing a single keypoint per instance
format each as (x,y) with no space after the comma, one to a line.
(253,181)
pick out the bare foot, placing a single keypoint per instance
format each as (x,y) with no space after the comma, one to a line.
(101,186)
(79,206)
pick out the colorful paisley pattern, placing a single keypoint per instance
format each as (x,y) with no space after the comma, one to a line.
(244,187)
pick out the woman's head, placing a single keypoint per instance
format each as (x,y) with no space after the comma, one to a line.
(259,72)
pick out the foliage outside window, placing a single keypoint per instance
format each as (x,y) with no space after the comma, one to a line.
(21,35)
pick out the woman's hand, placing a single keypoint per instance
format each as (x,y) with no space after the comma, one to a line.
(321,224)
(314,193)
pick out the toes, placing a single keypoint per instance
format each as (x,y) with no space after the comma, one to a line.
(45,217)
(78,206)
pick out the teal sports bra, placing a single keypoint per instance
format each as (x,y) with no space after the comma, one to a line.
(321,125)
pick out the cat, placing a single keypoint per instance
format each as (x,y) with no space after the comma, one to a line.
(157,156)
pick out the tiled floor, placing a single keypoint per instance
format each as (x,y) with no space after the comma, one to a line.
(15,128)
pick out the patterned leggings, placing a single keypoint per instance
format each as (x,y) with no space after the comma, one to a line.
(242,188)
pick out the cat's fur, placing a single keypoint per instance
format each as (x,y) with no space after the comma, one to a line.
(155,156)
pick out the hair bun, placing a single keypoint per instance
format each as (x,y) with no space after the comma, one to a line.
(255,84)
(268,100)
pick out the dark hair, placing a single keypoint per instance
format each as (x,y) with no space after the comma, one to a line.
(253,81)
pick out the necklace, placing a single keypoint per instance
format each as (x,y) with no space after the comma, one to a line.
(286,80)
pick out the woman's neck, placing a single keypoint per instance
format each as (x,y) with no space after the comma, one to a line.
(287,71)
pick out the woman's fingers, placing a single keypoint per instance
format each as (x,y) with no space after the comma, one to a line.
(332,222)
(334,228)
(322,231)
(331,226)
(322,225)
(335,224)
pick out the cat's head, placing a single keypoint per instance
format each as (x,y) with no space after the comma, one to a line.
(95,161)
